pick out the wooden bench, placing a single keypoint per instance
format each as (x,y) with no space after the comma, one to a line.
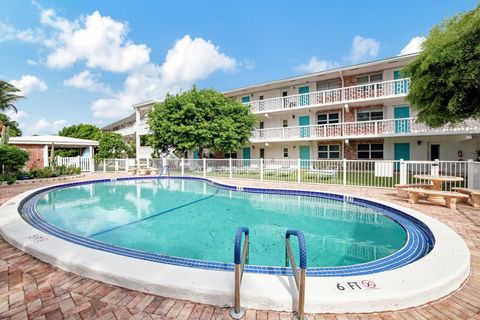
(474,195)
(401,188)
(450,198)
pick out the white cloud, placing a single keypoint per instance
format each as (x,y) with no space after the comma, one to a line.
(43,126)
(188,61)
(87,81)
(8,33)
(98,40)
(28,84)
(16,116)
(363,48)
(31,62)
(316,65)
(413,46)
(194,59)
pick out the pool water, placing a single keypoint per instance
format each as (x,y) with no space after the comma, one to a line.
(195,219)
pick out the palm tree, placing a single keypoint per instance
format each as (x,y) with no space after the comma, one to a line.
(8,96)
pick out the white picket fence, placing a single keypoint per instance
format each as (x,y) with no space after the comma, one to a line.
(85,164)
(361,173)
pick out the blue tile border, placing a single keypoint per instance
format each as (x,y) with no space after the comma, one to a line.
(420,239)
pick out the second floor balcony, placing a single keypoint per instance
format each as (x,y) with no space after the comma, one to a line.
(363,129)
(358,93)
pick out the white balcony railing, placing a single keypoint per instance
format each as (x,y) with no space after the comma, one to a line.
(126,131)
(378,128)
(371,91)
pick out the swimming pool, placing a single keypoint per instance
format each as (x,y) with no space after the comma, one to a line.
(192,222)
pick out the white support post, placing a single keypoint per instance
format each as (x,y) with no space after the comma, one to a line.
(126,165)
(299,177)
(230,174)
(204,167)
(182,165)
(92,165)
(435,168)
(78,163)
(261,169)
(148,162)
(104,165)
(403,172)
(116,165)
(344,172)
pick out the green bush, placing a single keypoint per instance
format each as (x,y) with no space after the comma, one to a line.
(10,178)
(46,172)
(12,159)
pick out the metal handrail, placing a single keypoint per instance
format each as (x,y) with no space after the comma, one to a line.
(163,170)
(300,277)
(239,259)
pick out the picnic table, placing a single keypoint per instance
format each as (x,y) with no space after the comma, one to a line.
(437,182)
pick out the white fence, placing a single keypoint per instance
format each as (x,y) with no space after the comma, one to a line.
(362,173)
(85,164)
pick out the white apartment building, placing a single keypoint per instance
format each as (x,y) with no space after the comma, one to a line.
(353,112)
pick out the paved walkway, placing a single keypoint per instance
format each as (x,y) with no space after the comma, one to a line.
(31,289)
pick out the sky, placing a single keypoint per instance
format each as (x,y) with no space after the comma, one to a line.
(89,61)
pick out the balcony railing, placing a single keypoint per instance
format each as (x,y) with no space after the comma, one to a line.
(371,91)
(378,128)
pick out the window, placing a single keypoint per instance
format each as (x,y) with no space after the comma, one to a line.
(369,78)
(285,152)
(285,123)
(370,151)
(284,93)
(232,155)
(329,151)
(329,84)
(262,153)
(261,125)
(260,98)
(369,115)
(327,118)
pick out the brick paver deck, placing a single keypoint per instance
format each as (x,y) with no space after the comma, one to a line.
(31,289)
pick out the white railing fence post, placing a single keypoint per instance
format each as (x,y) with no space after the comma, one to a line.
(261,169)
(104,165)
(403,171)
(344,172)
(230,173)
(92,165)
(435,168)
(182,165)
(116,165)
(204,167)
(473,174)
(126,165)
(78,163)
(299,176)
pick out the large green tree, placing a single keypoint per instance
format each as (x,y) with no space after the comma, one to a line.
(199,119)
(9,94)
(81,131)
(111,146)
(12,125)
(445,77)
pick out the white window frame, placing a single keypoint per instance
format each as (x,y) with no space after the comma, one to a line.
(329,151)
(370,114)
(285,123)
(370,151)
(328,117)
(285,152)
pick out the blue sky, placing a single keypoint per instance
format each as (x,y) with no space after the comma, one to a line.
(88,61)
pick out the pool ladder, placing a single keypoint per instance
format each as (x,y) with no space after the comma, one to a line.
(166,170)
(241,257)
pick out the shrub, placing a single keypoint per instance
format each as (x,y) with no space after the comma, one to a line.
(12,159)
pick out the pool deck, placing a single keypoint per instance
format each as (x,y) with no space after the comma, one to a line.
(32,289)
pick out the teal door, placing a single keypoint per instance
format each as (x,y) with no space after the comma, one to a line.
(195,154)
(246,99)
(304,98)
(304,122)
(401,151)
(401,87)
(401,115)
(246,156)
(304,156)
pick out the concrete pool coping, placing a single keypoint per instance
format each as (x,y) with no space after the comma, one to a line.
(435,276)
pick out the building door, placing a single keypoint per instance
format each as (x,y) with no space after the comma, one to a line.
(246,99)
(401,87)
(401,151)
(195,154)
(304,98)
(304,123)
(262,153)
(246,156)
(304,156)
(434,152)
(401,115)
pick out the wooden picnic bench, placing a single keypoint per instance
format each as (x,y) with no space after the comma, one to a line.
(402,188)
(474,195)
(450,198)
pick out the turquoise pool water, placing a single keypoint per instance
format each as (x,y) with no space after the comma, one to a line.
(194,219)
